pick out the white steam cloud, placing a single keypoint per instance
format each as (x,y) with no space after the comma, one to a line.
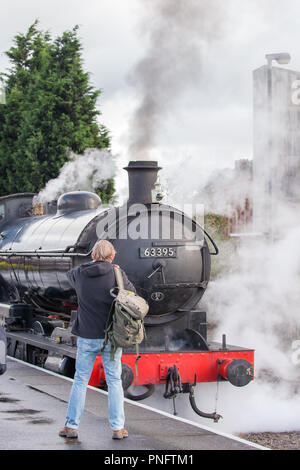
(255,301)
(85,172)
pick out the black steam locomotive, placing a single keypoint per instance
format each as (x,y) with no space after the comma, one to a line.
(166,256)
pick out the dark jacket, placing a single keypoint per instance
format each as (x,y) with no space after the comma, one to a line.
(2,351)
(92,283)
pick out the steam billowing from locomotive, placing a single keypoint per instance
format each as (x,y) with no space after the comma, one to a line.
(86,172)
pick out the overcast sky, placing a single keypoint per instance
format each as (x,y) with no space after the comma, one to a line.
(208,124)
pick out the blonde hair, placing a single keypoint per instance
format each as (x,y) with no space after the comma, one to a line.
(103,250)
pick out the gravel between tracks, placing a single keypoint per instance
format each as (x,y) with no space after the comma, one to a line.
(275,440)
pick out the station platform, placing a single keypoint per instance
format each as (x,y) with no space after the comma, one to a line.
(33,403)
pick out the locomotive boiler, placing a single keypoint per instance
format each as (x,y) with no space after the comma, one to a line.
(166,255)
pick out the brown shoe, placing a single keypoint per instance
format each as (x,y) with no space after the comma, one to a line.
(68,432)
(120,434)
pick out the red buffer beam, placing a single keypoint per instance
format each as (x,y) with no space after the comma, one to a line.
(235,366)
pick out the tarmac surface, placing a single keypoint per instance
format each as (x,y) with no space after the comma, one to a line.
(33,405)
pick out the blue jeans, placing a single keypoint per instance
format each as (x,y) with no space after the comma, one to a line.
(87,350)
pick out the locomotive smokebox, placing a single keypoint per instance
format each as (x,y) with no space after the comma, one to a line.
(142,176)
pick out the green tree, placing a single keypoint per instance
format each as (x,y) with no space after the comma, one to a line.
(50,110)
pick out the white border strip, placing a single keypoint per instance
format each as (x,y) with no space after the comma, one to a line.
(149,408)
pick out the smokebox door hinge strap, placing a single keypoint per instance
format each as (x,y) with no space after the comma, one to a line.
(217,390)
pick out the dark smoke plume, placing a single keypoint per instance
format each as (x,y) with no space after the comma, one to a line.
(180,32)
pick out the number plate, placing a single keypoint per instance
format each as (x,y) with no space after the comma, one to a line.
(158,252)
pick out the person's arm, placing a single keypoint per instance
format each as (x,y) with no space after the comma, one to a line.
(71,275)
(127,284)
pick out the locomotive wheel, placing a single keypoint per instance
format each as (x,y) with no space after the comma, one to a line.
(141,396)
(127,376)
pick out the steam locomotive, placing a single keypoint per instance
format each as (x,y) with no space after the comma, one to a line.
(166,255)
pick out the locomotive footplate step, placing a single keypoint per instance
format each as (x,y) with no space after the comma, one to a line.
(33,403)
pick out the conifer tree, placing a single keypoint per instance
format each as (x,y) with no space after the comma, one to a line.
(50,110)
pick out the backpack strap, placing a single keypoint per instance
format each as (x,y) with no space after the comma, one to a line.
(120,284)
(108,326)
(135,364)
(119,276)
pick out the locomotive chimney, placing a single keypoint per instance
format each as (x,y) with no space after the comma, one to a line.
(142,176)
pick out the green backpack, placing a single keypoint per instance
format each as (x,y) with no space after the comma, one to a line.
(125,325)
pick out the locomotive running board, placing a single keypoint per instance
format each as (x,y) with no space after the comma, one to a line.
(42,343)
